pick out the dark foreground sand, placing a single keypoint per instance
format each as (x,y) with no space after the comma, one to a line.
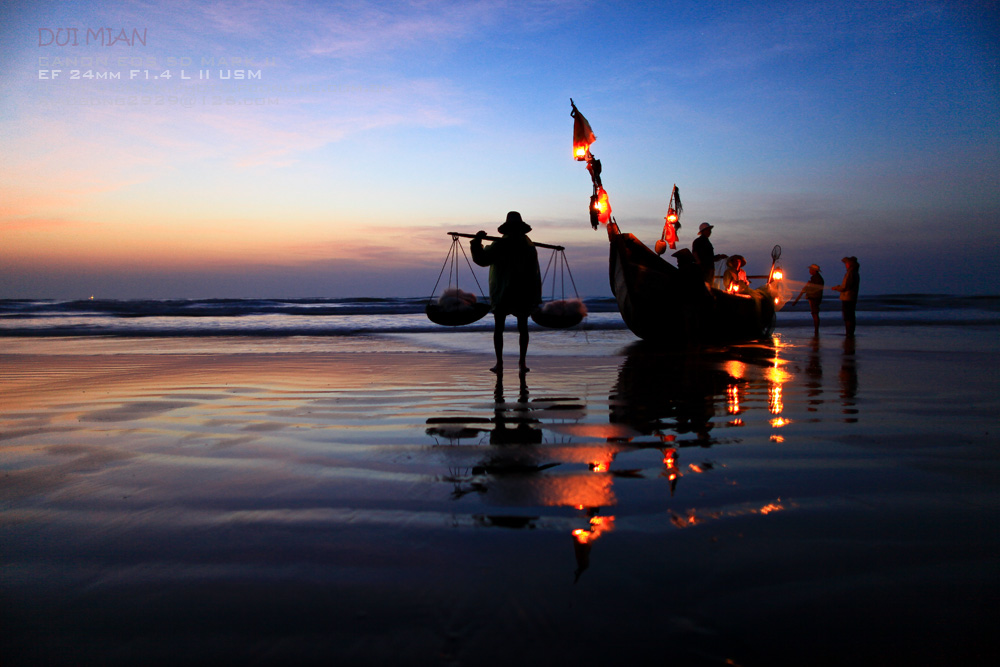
(383,501)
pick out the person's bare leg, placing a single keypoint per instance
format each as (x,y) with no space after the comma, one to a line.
(498,324)
(522,329)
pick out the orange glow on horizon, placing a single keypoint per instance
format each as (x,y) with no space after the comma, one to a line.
(81,246)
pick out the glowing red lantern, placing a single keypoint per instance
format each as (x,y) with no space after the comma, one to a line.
(602,206)
(583,136)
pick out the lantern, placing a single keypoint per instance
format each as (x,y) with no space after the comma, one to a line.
(669,235)
(602,205)
(583,136)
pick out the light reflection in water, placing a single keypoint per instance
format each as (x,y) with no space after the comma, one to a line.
(662,401)
(733,399)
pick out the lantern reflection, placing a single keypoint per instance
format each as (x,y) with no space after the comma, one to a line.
(774,403)
(735,368)
(670,468)
(601,466)
(733,399)
(583,539)
(660,403)
(598,526)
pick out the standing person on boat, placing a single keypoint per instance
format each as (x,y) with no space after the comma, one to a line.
(695,298)
(515,281)
(704,251)
(849,293)
(813,291)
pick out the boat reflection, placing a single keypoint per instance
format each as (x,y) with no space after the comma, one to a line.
(546,461)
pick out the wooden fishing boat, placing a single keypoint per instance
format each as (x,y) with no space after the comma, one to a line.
(662,303)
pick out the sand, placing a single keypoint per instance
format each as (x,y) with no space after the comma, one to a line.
(384,500)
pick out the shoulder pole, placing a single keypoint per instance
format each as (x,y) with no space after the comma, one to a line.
(497,238)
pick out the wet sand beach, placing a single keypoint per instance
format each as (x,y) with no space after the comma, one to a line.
(373,500)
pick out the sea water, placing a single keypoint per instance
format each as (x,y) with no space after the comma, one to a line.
(345,317)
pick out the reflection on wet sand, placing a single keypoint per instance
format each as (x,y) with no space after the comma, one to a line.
(546,452)
(673,396)
(814,377)
(849,381)
(516,470)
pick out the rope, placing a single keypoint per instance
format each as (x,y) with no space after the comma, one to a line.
(446,258)
(562,265)
(572,282)
(470,268)
(546,274)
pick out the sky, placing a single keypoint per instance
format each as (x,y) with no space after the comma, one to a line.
(363,132)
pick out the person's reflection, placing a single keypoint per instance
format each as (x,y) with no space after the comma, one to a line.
(516,428)
(514,469)
(814,377)
(849,381)
(514,433)
(517,474)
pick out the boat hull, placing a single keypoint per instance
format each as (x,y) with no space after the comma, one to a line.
(661,303)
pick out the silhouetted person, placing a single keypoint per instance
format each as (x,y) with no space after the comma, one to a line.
(515,281)
(704,251)
(849,293)
(734,280)
(695,297)
(813,291)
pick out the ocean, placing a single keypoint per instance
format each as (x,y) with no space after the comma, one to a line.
(345,317)
(341,481)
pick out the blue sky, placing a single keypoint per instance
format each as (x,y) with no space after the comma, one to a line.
(832,129)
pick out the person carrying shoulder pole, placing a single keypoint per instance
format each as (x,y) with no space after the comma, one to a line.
(515,282)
